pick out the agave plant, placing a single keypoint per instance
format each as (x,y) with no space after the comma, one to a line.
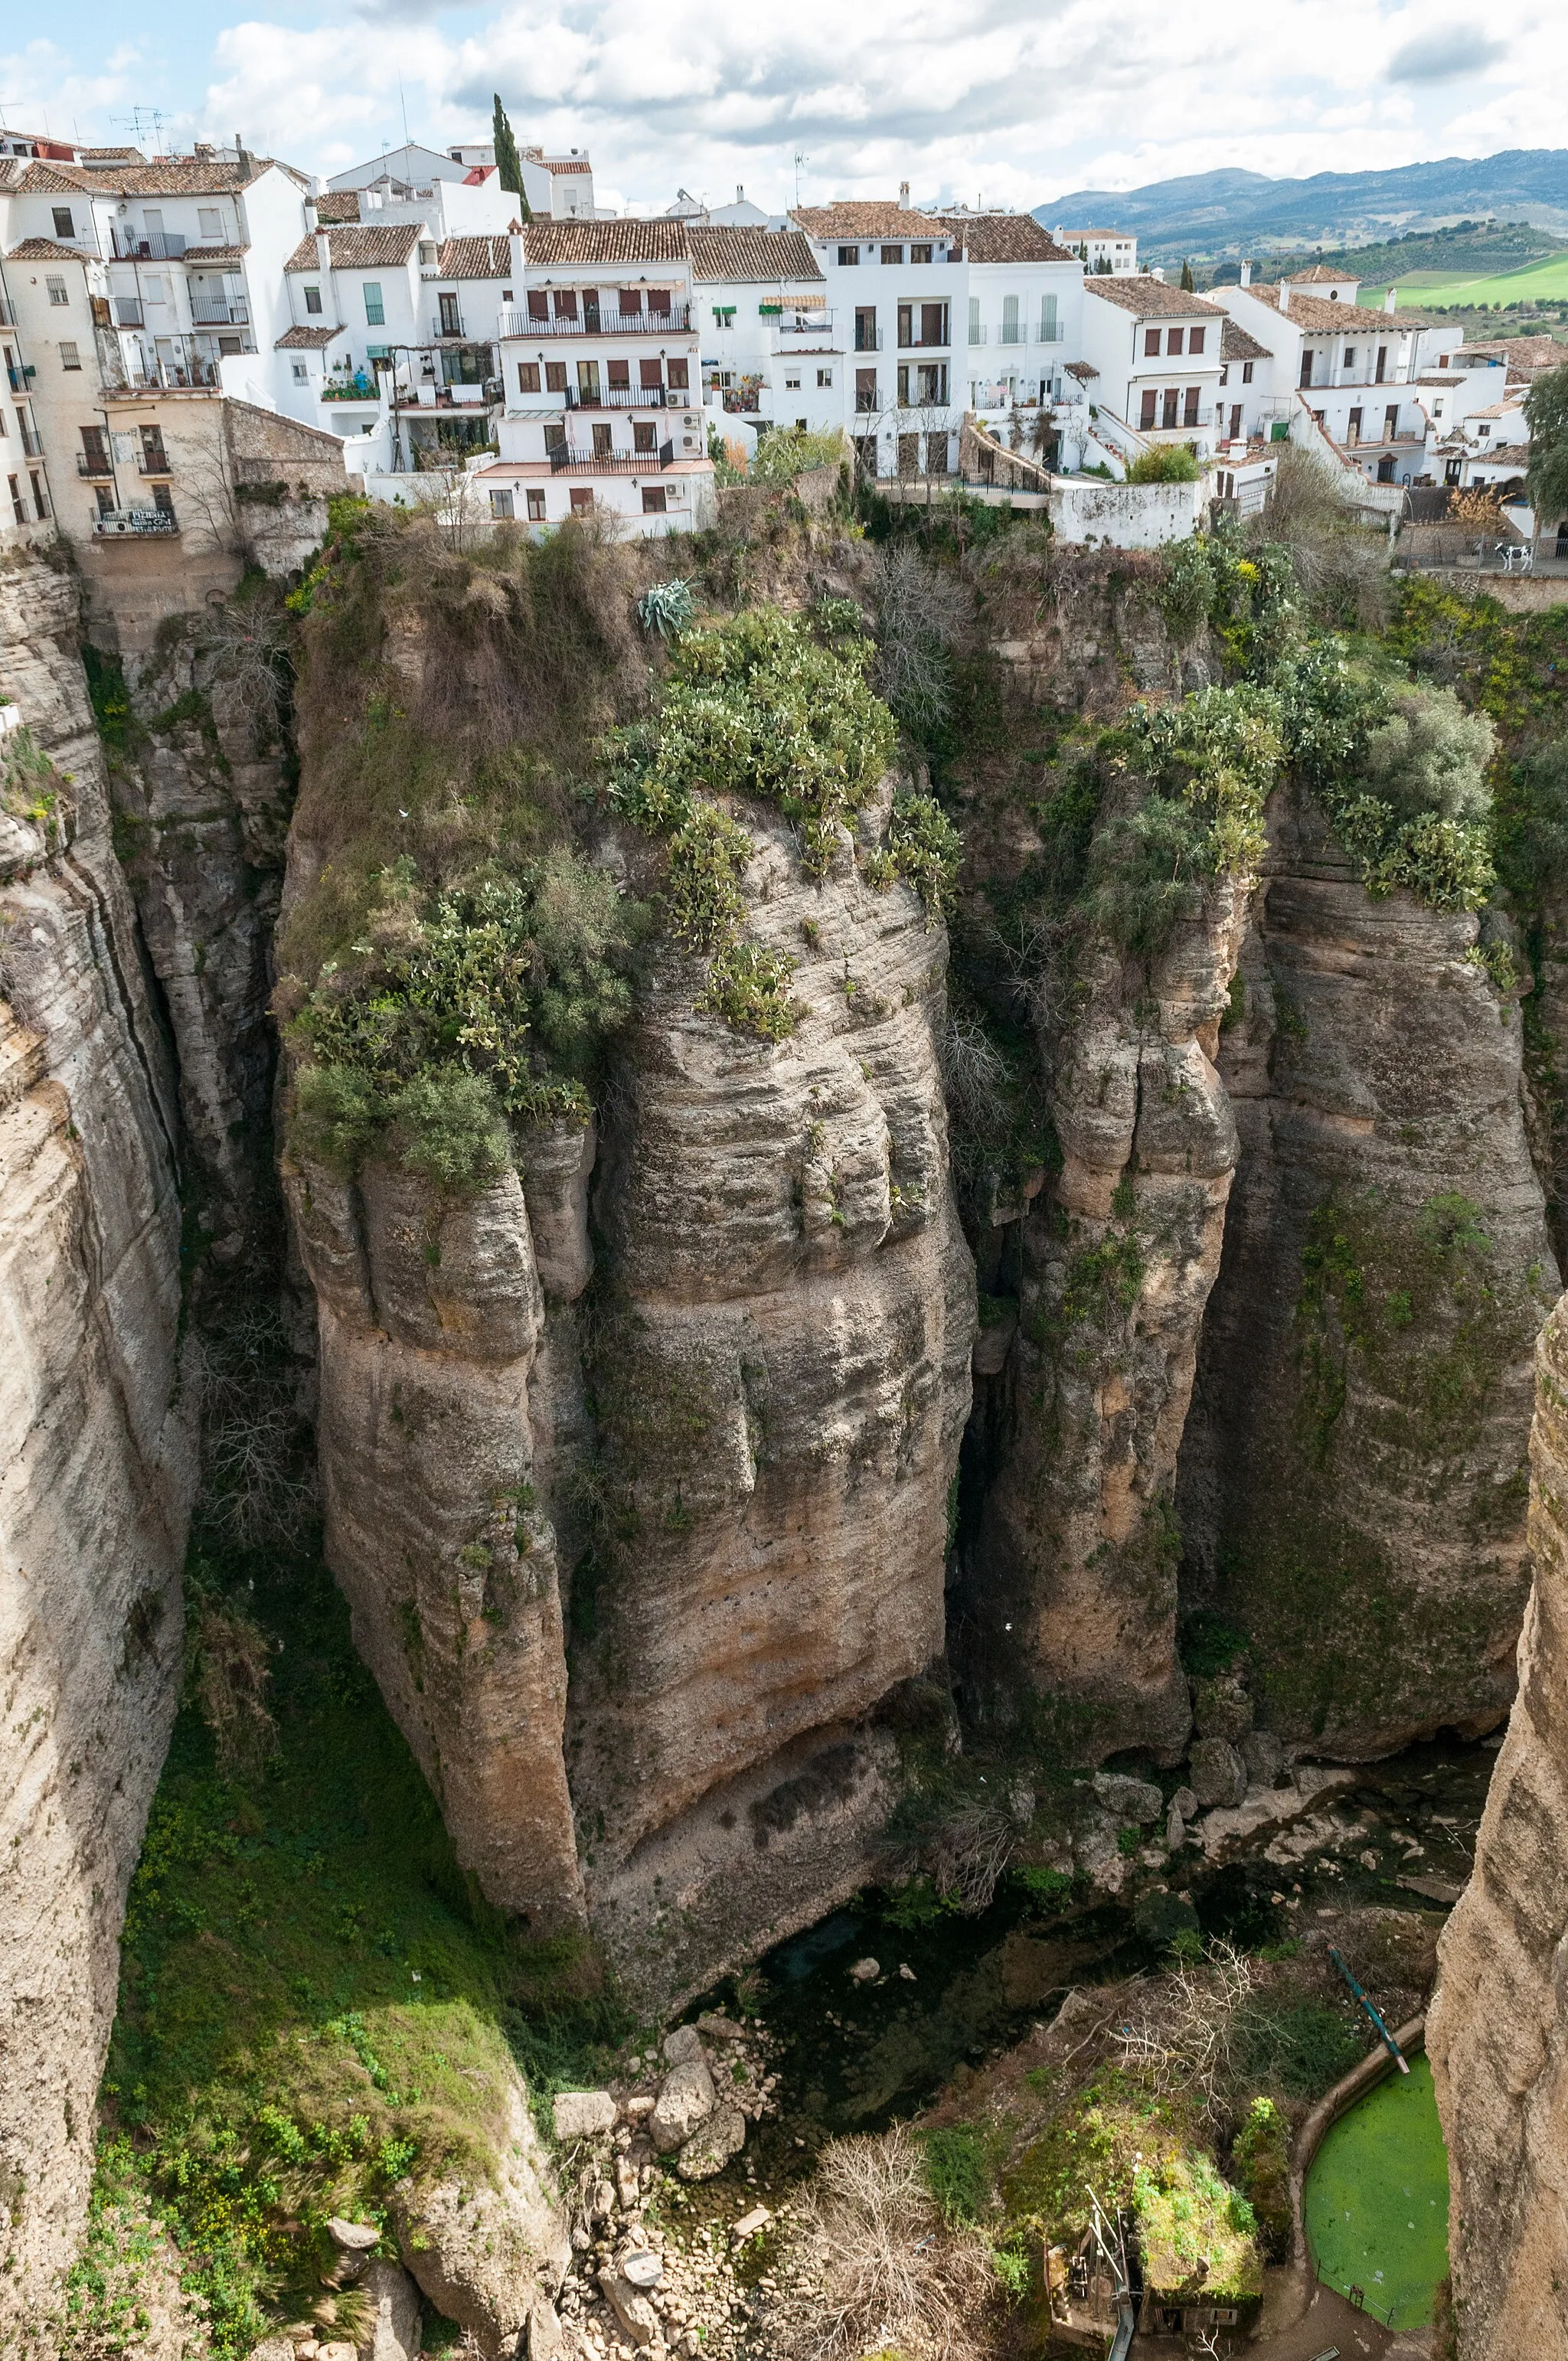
(666,608)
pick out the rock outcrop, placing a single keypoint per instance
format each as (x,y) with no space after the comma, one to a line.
(749,1538)
(1497,2032)
(1353,1480)
(98,1471)
(1070,1578)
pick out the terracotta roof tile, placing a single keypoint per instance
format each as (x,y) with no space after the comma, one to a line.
(1317,315)
(166,176)
(47,249)
(722,251)
(554,164)
(1236,345)
(866,220)
(1321,275)
(383,246)
(305,340)
(1004,237)
(1151,299)
(337,206)
(214,257)
(474,257)
(574,245)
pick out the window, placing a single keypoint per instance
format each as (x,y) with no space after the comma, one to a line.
(824,377)
(849,256)
(302,373)
(1350,356)
(587,380)
(723,314)
(375,310)
(677,374)
(792,382)
(919,254)
(892,254)
(1246,372)
(644,435)
(1189,405)
(975,336)
(536,508)
(1306,377)
(555,436)
(528,376)
(1010,334)
(631,302)
(648,374)
(538,304)
(603,442)
(154,460)
(1169,403)
(18,505)
(1173,340)
(1382,364)
(59,293)
(314,301)
(501,504)
(1236,421)
(865,453)
(565,302)
(1225,373)
(866,338)
(1146,414)
(63,225)
(96,450)
(1391,420)
(41,498)
(210,222)
(1195,340)
(1151,344)
(659,301)
(582,500)
(909,454)
(865,390)
(619,376)
(653,499)
(163,499)
(451,318)
(1352,428)
(1050,334)
(69,357)
(555,377)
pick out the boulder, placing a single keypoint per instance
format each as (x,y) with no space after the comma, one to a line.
(683,2045)
(485,2249)
(710,2149)
(352,2237)
(637,2316)
(1185,1802)
(1175,1830)
(1137,1800)
(273,2348)
(865,1971)
(1219,1775)
(721,2028)
(687,2099)
(546,2337)
(581,2114)
(392,2332)
(1264,1756)
(1221,1706)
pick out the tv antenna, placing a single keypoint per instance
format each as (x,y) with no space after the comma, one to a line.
(800,158)
(144,123)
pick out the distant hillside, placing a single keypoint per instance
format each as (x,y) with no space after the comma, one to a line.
(1471,249)
(1218,215)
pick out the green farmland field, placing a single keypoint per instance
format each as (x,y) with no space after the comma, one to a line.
(1538,283)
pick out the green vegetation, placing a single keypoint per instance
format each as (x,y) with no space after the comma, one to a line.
(958,2173)
(1377,2198)
(1546,408)
(1166,463)
(788,451)
(1260,2157)
(30,783)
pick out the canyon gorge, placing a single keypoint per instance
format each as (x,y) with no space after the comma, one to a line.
(858,1228)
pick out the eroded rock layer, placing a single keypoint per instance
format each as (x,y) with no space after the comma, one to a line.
(1353,1480)
(96,1476)
(1498,2033)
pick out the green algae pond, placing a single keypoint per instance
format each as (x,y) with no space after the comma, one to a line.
(1377,2200)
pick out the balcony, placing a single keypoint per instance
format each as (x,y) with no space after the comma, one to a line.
(32,445)
(151,464)
(565,461)
(7,313)
(20,373)
(924,344)
(208,312)
(447,330)
(93,469)
(127,312)
(818,326)
(618,397)
(977,335)
(676,320)
(135,521)
(152,246)
(868,340)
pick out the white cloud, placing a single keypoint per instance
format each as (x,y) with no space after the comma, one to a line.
(1019,100)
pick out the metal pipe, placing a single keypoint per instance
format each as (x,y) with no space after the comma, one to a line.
(1392,2045)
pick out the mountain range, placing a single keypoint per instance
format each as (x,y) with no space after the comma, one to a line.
(1228,212)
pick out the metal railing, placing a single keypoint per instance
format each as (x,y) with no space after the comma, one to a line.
(127,312)
(32,442)
(211,315)
(564,461)
(149,246)
(618,397)
(19,372)
(88,465)
(868,340)
(7,313)
(514,322)
(924,345)
(438,327)
(977,335)
(816,326)
(134,522)
(147,465)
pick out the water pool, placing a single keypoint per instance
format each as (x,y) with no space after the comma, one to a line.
(1377,2200)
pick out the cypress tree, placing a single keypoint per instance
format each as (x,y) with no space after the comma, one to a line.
(508,164)
(1187,286)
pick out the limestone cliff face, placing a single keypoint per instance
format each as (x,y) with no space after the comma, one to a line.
(749,1532)
(96,1486)
(1353,1481)
(1498,2033)
(1072,1575)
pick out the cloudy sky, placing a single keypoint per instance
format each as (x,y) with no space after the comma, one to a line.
(1014,101)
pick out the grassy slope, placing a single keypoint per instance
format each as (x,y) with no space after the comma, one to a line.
(1538,283)
(311,2000)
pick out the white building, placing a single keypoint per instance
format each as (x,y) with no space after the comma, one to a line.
(772,352)
(1022,313)
(1158,353)
(1351,368)
(601,364)
(1247,405)
(1104,250)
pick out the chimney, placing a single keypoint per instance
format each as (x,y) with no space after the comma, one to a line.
(245,162)
(1285,294)
(514,240)
(903,196)
(311,223)
(1390,301)
(1246,274)
(323,253)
